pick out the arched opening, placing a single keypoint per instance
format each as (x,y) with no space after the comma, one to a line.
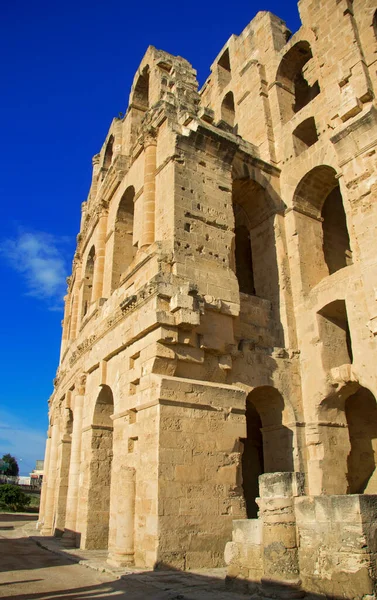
(374,24)
(108,153)
(255,250)
(336,241)
(244,259)
(349,436)
(228,114)
(88,281)
(294,91)
(252,459)
(124,251)
(321,226)
(361,415)
(100,471)
(141,91)
(304,136)
(224,69)
(268,447)
(335,335)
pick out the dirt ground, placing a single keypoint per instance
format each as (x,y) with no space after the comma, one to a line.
(29,572)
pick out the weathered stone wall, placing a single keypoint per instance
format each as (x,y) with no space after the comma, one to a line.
(220,321)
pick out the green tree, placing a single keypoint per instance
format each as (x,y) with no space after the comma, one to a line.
(12,497)
(12,469)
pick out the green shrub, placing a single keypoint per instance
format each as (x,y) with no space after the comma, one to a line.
(12,497)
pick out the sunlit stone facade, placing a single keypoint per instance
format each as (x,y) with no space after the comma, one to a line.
(217,385)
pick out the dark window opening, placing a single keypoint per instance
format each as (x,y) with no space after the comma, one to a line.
(268,447)
(244,260)
(336,241)
(141,93)
(335,335)
(124,250)
(294,91)
(305,135)
(304,93)
(323,233)
(361,415)
(252,460)
(224,70)
(224,60)
(108,153)
(228,113)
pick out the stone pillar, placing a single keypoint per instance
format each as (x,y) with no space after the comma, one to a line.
(100,246)
(62,483)
(121,548)
(280,548)
(48,524)
(70,530)
(95,173)
(149,193)
(76,302)
(65,324)
(46,466)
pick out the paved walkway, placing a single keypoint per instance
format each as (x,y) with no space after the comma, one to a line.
(38,568)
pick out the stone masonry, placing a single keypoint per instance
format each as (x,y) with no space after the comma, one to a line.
(217,383)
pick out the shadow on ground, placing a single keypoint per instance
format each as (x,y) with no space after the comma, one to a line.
(29,572)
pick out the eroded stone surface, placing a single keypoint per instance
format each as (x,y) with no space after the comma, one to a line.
(220,317)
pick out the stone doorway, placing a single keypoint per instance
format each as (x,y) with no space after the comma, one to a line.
(268,446)
(100,472)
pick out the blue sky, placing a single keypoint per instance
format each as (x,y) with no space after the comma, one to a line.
(66,70)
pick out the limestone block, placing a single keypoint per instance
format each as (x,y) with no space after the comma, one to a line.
(181,301)
(281,484)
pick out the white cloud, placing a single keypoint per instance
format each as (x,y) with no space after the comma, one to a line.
(20,440)
(39,257)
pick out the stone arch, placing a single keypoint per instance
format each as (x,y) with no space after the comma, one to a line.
(101,450)
(348,433)
(228,114)
(294,91)
(140,96)
(108,157)
(268,447)
(255,261)
(224,71)
(88,281)
(322,225)
(334,333)
(124,250)
(304,135)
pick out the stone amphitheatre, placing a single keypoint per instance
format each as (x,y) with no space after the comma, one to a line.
(215,401)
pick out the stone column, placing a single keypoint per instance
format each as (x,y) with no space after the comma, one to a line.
(70,530)
(280,547)
(76,298)
(62,483)
(121,548)
(100,246)
(149,192)
(65,324)
(95,173)
(46,466)
(48,524)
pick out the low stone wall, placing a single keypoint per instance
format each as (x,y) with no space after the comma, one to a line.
(305,545)
(337,544)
